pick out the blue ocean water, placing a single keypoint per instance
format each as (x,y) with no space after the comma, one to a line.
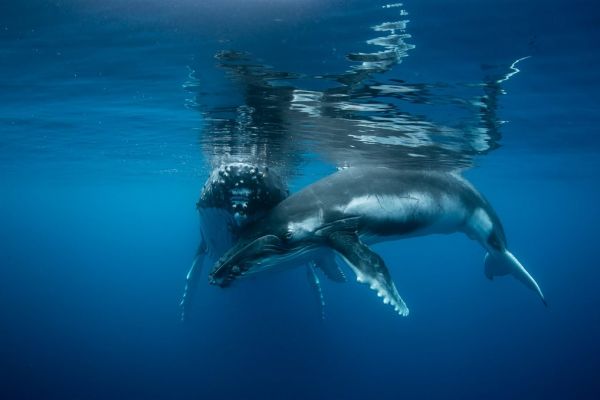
(113,114)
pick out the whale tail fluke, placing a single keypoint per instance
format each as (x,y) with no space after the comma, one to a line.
(504,263)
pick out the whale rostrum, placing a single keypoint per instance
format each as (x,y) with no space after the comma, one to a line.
(347,211)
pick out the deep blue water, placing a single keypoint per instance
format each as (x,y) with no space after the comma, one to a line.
(112,116)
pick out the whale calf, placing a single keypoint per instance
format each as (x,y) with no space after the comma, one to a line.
(355,207)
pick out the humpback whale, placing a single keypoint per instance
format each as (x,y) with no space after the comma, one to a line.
(355,207)
(234,195)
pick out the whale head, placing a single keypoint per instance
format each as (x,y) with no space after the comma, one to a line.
(245,257)
(267,252)
(245,191)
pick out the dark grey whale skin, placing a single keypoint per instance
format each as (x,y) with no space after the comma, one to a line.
(355,206)
(347,184)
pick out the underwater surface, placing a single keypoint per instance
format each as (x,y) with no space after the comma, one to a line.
(113,115)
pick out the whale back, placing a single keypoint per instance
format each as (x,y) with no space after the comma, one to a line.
(307,216)
(327,198)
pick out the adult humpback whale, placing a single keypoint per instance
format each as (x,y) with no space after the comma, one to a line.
(354,207)
(235,195)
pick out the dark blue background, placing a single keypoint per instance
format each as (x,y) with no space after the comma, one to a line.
(100,172)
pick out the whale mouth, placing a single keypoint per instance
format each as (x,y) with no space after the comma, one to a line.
(223,277)
(265,254)
(244,257)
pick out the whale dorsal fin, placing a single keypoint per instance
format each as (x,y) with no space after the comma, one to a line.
(330,268)
(368,267)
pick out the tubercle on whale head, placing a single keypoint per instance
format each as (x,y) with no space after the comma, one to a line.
(243,189)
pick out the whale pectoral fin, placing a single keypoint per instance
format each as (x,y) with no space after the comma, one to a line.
(330,268)
(315,285)
(504,263)
(369,268)
(191,280)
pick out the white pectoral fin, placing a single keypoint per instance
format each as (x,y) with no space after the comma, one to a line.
(504,263)
(369,268)
(315,285)
(191,280)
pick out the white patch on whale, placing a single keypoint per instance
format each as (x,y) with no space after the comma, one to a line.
(387,207)
(439,214)
(392,298)
(479,225)
(300,229)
